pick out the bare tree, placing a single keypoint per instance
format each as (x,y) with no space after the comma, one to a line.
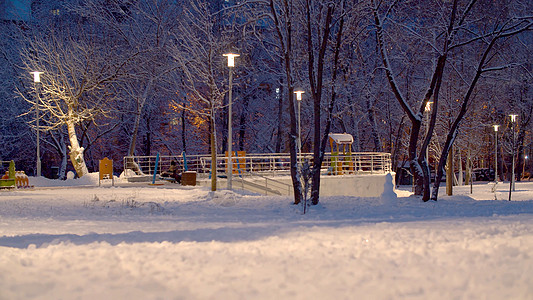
(75,86)
(198,51)
(319,34)
(16,141)
(451,35)
(281,13)
(486,63)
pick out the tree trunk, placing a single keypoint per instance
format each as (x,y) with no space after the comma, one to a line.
(371,115)
(62,172)
(449,173)
(183,137)
(460,176)
(140,105)
(242,122)
(148,139)
(316,83)
(295,173)
(76,152)
(284,33)
(213,152)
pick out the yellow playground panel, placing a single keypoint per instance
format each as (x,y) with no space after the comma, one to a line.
(8,180)
(341,163)
(239,162)
(106,170)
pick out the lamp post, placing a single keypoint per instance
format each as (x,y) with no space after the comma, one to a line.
(299,100)
(512,184)
(496,152)
(231,64)
(37,81)
(427,110)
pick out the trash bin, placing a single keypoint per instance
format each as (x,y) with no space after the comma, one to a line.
(188,178)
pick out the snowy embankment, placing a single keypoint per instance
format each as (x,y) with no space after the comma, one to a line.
(171,242)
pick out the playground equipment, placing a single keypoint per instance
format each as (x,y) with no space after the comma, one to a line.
(12,178)
(21,180)
(238,162)
(8,180)
(341,164)
(106,170)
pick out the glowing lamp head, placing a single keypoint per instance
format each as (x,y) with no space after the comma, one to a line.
(231,59)
(513,118)
(299,95)
(428,106)
(496,127)
(36,76)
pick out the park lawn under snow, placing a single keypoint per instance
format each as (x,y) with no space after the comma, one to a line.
(170,242)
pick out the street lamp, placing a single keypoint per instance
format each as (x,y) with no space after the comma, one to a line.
(512,184)
(231,64)
(299,100)
(427,109)
(428,106)
(36,81)
(496,152)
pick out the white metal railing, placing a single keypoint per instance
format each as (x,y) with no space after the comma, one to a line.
(261,164)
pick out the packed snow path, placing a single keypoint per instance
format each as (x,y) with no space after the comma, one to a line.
(189,243)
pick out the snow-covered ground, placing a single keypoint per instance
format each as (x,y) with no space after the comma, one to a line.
(80,241)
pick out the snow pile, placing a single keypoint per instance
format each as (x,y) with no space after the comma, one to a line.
(90,179)
(173,242)
(388,197)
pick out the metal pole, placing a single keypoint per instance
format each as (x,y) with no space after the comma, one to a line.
(299,135)
(495,155)
(427,111)
(37,89)
(427,148)
(230,163)
(514,150)
(512,158)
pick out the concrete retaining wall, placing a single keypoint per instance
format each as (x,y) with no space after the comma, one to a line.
(346,185)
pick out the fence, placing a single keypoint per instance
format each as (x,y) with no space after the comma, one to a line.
(262,164)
